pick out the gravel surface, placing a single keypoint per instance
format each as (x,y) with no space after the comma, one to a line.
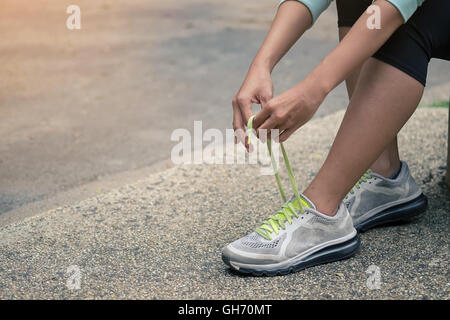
(160,238)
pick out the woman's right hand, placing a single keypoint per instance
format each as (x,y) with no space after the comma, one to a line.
(257,88)
(292,19)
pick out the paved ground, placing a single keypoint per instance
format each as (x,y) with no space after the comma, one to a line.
(161,237)
(87,111)
(78,106)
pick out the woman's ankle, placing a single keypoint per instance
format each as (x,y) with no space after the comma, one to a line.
(386,167)
(323,205)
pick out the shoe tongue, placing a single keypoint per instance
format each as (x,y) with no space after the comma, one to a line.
(305,202)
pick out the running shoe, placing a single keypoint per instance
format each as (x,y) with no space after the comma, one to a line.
(376,200)
(294,238)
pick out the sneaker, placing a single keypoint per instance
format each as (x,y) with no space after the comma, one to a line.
(291,241)
(295,238)
(376,200)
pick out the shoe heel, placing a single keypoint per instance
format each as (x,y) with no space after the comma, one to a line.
(404,212)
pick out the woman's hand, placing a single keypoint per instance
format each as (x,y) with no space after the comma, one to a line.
(293,108)
(292,19)
(290,110)
(257,88)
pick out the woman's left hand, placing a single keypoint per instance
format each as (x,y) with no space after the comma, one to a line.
(290,110)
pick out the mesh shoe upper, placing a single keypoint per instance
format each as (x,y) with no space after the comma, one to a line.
(379,193)
(308,230)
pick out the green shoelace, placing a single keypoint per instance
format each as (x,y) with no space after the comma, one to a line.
(288,209)
(366,176)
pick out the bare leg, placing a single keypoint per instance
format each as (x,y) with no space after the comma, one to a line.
(389,161)
(382,102)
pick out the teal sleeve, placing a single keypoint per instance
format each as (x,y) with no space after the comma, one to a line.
(316,7)
(406,7)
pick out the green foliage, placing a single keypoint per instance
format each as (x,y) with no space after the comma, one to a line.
(440,104)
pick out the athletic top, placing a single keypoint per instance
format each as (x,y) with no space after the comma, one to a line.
(406,7)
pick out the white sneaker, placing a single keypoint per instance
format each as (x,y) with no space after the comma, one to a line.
(376,200)
(290,241)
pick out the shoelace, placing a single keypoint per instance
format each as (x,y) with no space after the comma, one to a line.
(367,175)
(288,209)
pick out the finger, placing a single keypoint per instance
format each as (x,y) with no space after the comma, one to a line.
(238,124)
(283,126)
(276,133)
(260,117)
(246,110)
(266,127)
(286,134)
(263,99)
(245,106)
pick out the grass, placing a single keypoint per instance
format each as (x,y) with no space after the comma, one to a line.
(441,104)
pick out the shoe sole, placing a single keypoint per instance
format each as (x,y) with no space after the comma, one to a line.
(329,254)
(404,212)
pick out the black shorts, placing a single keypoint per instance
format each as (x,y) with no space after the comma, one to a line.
(424,36)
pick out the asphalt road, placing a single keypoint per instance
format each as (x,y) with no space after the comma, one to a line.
(160,238)
(80,107)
